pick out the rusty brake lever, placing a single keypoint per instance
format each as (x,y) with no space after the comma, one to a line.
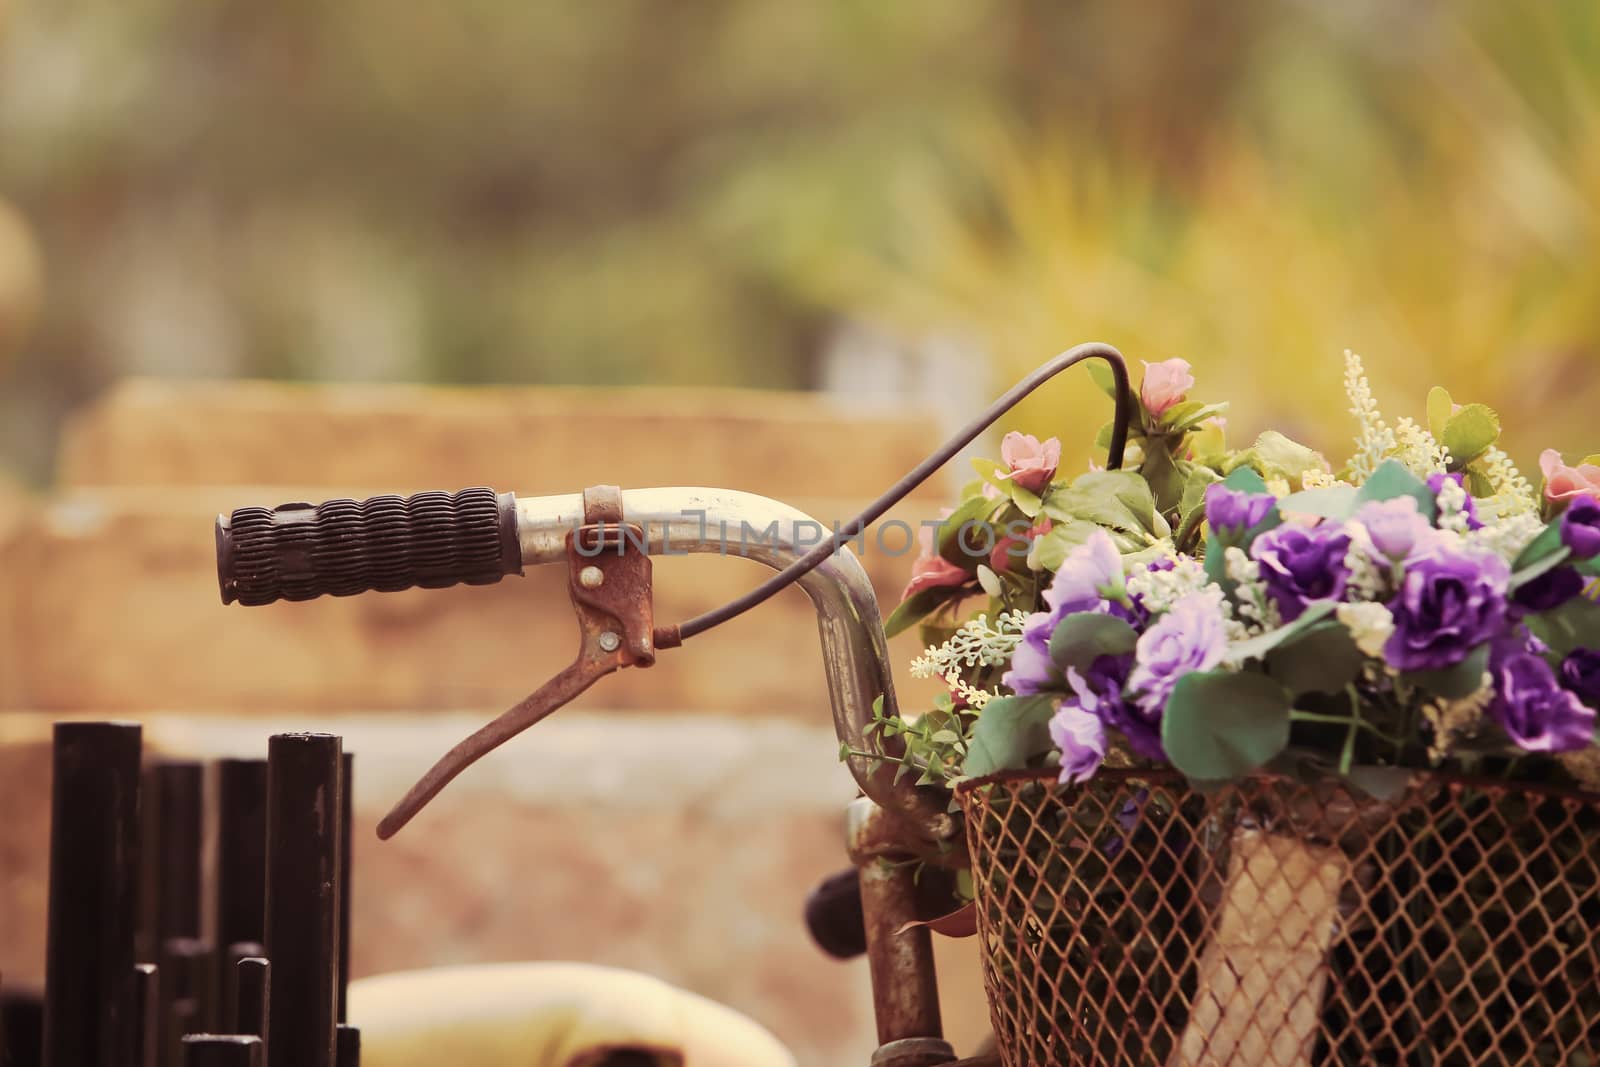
(608,578)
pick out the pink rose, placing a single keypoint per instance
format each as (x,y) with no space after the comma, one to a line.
(931,570)
(1013,550)
(1165,384)
(1565,483)
(1031,462)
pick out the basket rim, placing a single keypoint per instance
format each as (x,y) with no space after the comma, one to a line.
(1167,775)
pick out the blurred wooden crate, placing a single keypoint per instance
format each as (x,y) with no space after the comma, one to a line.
(114,603)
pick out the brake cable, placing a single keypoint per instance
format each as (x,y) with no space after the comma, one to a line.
(924,470)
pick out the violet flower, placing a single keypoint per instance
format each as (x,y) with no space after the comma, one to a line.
(1395,526)
(1580,528)
(1091,574)
(1580,672)
(1099,690)
(1301,565)
(1088,577)
(1190,637)
(1082,741)
(1548,592)
(1535,711)
(1451,600)
(1231,513)
(1032,670)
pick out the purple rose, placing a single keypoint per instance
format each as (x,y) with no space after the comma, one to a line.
(1469,508)
(1396,526)
(1231,513)
(1032,670)
(1099,690)
(1303,565)
(1093,569)
(1451,601)
(1082,741)
(1580,528)
(1190,637)
(1547,592)
(1580,672)
(1535,711)
(1090,574)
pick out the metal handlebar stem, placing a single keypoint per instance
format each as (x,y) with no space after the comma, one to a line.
(855,657)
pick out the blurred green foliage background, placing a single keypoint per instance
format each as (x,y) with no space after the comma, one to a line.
(703,192)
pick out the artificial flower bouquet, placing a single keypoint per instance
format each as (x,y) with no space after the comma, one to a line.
(1257,714)
(1226,611)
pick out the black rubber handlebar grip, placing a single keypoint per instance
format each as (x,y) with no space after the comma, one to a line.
(382,544)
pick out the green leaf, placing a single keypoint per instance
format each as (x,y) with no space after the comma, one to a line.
(1027,500)
(1440,408)
(1381,783)
(1190,413)
(1276,456)
(1120,500)
(1245,480)
(1322,659)
(1220,725)
(918,606)
(1332,502)
(1192,506)
(1010,731)
(1547,544)
(1259,646)
(1082,638)
(1209,444)
(1454,683)
(1469,433)
(1574,625)
(1100,373)
(1479,483)
(1541,568)
(978,509)
(1051,550)
(1165,474)
(1194,488)
(1391,481)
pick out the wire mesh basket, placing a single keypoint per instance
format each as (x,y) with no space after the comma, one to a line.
(1134,920)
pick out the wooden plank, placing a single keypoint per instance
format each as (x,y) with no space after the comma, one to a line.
(404,438)
(116,608)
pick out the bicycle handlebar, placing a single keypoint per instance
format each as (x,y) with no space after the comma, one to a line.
(300,551)
(381,544)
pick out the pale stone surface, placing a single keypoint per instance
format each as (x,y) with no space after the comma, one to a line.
(403,438)
(681,846)
(117,608)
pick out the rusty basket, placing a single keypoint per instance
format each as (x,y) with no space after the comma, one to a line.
(1135,920)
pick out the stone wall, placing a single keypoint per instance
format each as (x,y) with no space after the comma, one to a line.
(672,822)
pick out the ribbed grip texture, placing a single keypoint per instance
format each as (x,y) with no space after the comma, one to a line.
(382,544)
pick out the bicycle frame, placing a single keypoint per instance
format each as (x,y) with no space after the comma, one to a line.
(477,536)
(893,826)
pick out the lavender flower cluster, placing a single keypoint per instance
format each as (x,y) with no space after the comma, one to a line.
(1423,589)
